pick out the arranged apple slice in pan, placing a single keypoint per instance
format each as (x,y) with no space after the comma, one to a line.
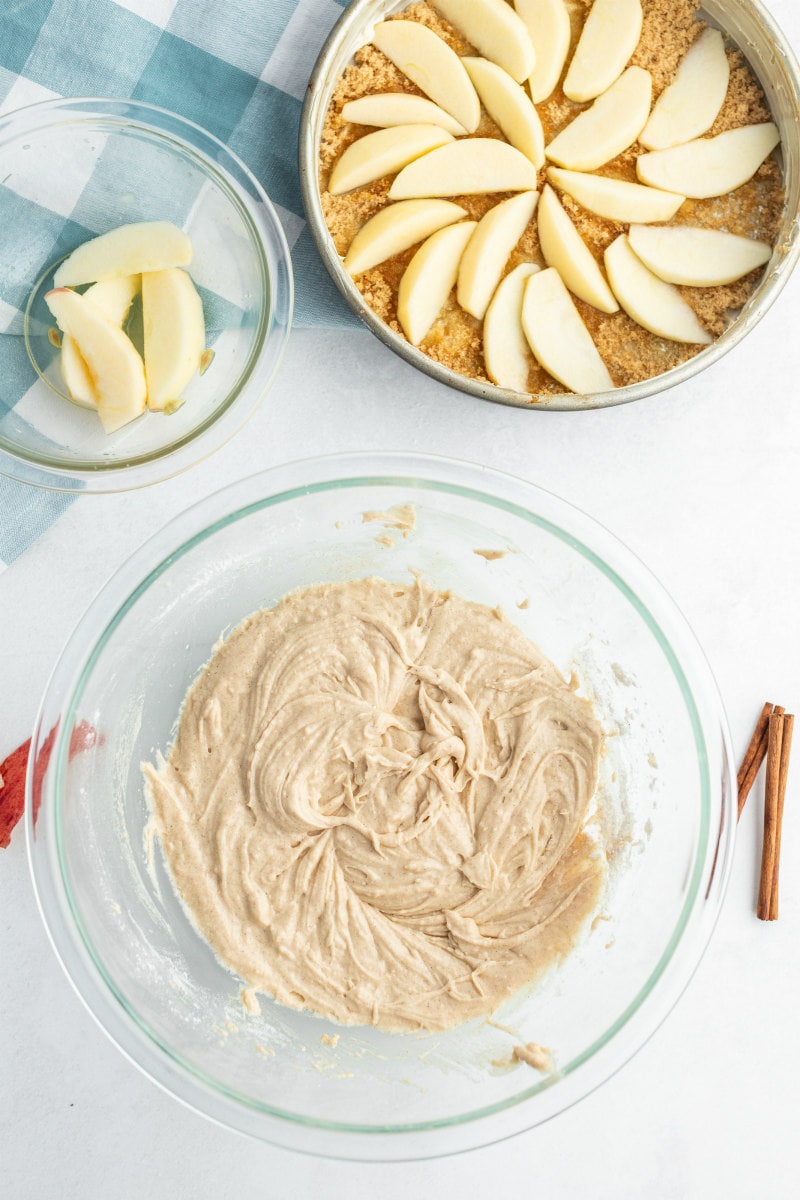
(430,63)
(495,29)
(696,257)
(509,107)
(126,250)
(558,337)
(383,153)
(387,109)
(689,106)
(609,126)
(396,228)
(429,278)
(547,22)
(615,199)
(710,166)
(113,298)
(506,354)
(470,167)
(115,366)
(564,248)
(495,236)
(174,335)
(609,37)
(655,305)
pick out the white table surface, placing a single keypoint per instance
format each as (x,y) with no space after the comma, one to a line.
(702,483)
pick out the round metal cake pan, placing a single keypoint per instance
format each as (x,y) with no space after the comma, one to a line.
(746,22)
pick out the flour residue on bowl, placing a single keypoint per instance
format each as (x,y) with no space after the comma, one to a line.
(401,518)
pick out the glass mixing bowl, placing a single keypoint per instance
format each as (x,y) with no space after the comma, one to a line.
(666,803)
(746,22)
(71,169)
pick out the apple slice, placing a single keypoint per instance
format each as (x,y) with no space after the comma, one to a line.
(608,39)
(76,375)
(387,109)
(558,337)
(470,167)
(710,166)
(429,62)
(429,278)
(615,199)
(647,300)
(113,297)
(609,126)
(174,334)
(564,248)
(396,228)
(509,107)
(696,257)
(127,250)
(116,369)
(689,106)
(496,235)
(547,22)
(495,29)
(383,153)
(505,350)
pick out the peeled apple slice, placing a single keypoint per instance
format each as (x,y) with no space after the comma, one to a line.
(608,39)
(113,298)
(615,199)
(75,373)
(689,106)
(558,337)
(430,63)
(611,125)
(710,166)
(651,303)
(495,236)
(386,109)
(396,228)
(696,257)
(495,29)
(115,366)
(473,166)
(509,107)
(127,250)
(174,334)
(564,248)
(383,153)
(429,279)
(505,350)
(547,22)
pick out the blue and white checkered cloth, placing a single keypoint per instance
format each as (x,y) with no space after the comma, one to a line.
(237,67)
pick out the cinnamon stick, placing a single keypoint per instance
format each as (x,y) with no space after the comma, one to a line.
(786,746)
(754,754)
(771,794)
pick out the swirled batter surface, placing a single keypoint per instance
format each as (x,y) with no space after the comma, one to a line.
(375,805)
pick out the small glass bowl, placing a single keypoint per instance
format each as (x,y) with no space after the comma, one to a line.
(71,169)
(666,806)
(746,22)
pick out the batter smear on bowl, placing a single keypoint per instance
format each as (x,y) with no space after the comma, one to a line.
(618,317)
(376,805)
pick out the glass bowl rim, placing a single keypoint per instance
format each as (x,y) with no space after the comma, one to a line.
(268,240)
(413,471)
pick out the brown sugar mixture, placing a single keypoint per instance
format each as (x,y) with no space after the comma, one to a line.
(630,352)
